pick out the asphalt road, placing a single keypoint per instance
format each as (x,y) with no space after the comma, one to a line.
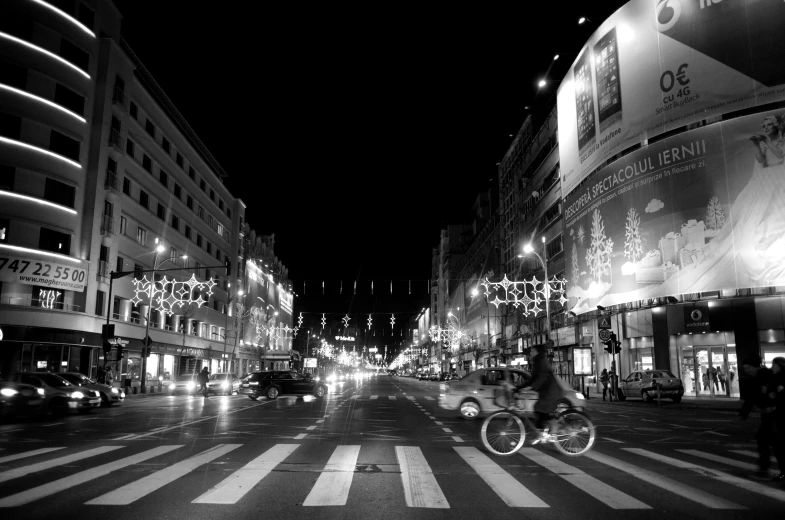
(379,448)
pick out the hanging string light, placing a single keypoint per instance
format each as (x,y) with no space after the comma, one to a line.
(179,293)
(370,322)
(529,294)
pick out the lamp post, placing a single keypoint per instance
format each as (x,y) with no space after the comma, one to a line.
(529,249)
(226,326)
(159,248)
(475,292)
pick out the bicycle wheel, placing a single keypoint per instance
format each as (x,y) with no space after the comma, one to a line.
(574,434)
(503,433)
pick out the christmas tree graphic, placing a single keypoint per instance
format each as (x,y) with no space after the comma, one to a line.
(598,256)
(576,270)
(715,216)
(633,242)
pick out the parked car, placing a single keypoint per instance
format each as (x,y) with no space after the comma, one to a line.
(474,394)
(187,384)
(20,399)
(224,383)
(643,384)
(283,382)
(109,394)
(423,376)
(60,395)
(433,377)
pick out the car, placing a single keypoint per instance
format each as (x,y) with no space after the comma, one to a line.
(336,376)
(423,376)
(187,384)
(643,384)
(433,377)
(474,394)
(223,383)
(283,382)
(20,399)
(109,394)
(60,395)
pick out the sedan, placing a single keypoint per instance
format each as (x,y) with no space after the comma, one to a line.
(283,382)
(20,399)
(644,384)
(184,385)
(60,395)
(109,394)
(225,383)
(476,393)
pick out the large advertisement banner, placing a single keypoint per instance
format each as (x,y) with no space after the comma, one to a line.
(28,270)
(656,65)
(700,211)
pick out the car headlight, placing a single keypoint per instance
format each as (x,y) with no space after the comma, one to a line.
(40,391)
(77,395)
(318,378)
(8,392)
(115,391)
(190,386)
(224,385)
(579,396)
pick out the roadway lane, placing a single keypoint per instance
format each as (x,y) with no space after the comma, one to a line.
(378,448)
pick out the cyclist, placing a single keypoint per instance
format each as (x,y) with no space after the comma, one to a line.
(546,386)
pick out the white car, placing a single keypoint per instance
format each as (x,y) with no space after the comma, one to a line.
(474,394)
(224,383)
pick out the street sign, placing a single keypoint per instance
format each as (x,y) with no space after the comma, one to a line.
(604,322)
(605,335)
(373,349)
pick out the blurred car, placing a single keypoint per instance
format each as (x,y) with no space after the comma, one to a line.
(223,383)
(109,394)
(423,376)
(474,394)
(433,377)
(283,382)
(187,384)
(60,395)
(643,384)
(336,376)
(20,399)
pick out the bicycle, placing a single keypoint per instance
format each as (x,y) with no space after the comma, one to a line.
(570,431)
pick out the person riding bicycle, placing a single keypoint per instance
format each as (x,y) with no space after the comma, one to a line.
(545,384)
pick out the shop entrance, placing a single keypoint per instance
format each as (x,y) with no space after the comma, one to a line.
(710,371)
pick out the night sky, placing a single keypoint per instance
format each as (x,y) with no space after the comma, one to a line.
(356,134)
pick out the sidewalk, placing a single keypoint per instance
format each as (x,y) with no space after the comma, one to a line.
(731,404)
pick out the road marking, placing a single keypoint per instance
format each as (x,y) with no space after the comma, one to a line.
(374,397)
(755,454)
(300,436)
(78,479)
(320,421)
(719,475)
(326,416)
(428,398)
(430,416)
(26,454)
(456,438)
(648,420)
(419,485)
(235,486)
(439,423)
(601,491)
(124,437)
(447,430)
(135,490)
(410,397)
(722,460)
(612,440)
(717,433)
(54,424)
(391,397)
(311,428)
(512,492)
(60,461)
(332,487)
(653,478)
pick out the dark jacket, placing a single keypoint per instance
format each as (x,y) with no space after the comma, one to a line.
(545,384)
(203,377)
(754,391)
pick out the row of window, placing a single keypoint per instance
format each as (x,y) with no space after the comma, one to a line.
(11,127)
(54,191)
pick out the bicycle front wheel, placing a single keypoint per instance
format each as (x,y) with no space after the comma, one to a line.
(574,434)
(503,433)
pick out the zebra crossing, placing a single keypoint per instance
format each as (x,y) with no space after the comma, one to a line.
(421,486)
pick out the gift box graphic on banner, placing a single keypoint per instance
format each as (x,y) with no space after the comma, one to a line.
(670,245)
(695,234)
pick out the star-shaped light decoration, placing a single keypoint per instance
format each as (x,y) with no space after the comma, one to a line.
(167,295)
(392,321)
(345,320)
(370,321)
(528,294)
(324,321)
(300,320)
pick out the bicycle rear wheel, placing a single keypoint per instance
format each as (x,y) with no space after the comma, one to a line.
(503,433)
(575,434)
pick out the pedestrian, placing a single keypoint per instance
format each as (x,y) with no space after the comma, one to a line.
(108,375)
(721,377)
(706,381)
(777,393)
(713,378)
(101,375)
(755,388)
(203,377)
(604,380)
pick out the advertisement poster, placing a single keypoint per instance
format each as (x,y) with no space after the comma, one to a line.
(656,65)
(700,211)
(581,358)
(34,271)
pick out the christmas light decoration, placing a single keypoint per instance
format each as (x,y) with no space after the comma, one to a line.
(392,321)
(324,321)
(370,321)
(168,294)
(345,320)
(529,294)
(300,320)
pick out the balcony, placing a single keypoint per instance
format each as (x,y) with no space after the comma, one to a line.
(108,226)
(119,99)
(103,271)
(35,302)
(112,181)
(116,140)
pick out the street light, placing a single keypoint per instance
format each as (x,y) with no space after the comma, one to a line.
(475,292)
(529,249)
(226,326)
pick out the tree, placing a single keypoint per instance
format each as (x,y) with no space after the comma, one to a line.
(633,242)
(576,270)
(598,256)
(715,216)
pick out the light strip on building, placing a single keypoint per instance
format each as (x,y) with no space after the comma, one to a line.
(39,201)
(40,150)
(66,16)
(42,100)
(44,51)
(40,252)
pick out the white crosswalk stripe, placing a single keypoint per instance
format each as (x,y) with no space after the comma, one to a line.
(374,397)
(503,484)
(60,461)
(332,488)
(26,454)
(428,398)
(754,454)
(722,460)
(419,485)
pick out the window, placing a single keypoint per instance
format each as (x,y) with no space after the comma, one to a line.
(60,193)
(220,204)
(150,128)
(189,202)
(144,199)
(203,185)
(177,191)
(210,221)
(75,55)
(111,164)
(217,254)
(209,248)
(141,235)
(123,225)
(120,263)
(69,99)
(229,213)
(192,173)
(134,110)
(7,174)
(187,231)
(199,240)
(4,222)
(64,145)
(10,126)
(127,185)
(163,177)
(173,254)
(200,213)
(555,247)
(175,222)
(212,195)
(130,147)
(179,160)
(99,302)
(147,163)
(228,265)
(220,229)
(51,240)
(165,145)
(161,211)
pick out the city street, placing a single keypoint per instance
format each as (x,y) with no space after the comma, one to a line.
(375,448)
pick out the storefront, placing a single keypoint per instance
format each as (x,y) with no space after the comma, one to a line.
(32,349)
(708,365)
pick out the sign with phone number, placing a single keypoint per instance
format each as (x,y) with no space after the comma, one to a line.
(30,271)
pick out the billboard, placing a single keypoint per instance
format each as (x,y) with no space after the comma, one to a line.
(656,65)
(28,270)
(699,211)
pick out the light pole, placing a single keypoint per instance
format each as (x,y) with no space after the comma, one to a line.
(226,325)
(529,249)
(159,248)
(475,292)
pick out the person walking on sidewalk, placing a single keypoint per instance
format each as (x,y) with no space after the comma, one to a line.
(756,388)
(777,393)
(604,380)
(203,377)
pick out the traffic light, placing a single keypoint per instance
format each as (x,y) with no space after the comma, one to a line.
(608,347)
(617,347)
(107,349)
(119,352)
(613,346)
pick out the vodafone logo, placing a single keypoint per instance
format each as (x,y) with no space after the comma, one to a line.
(666,14)
(696,315)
